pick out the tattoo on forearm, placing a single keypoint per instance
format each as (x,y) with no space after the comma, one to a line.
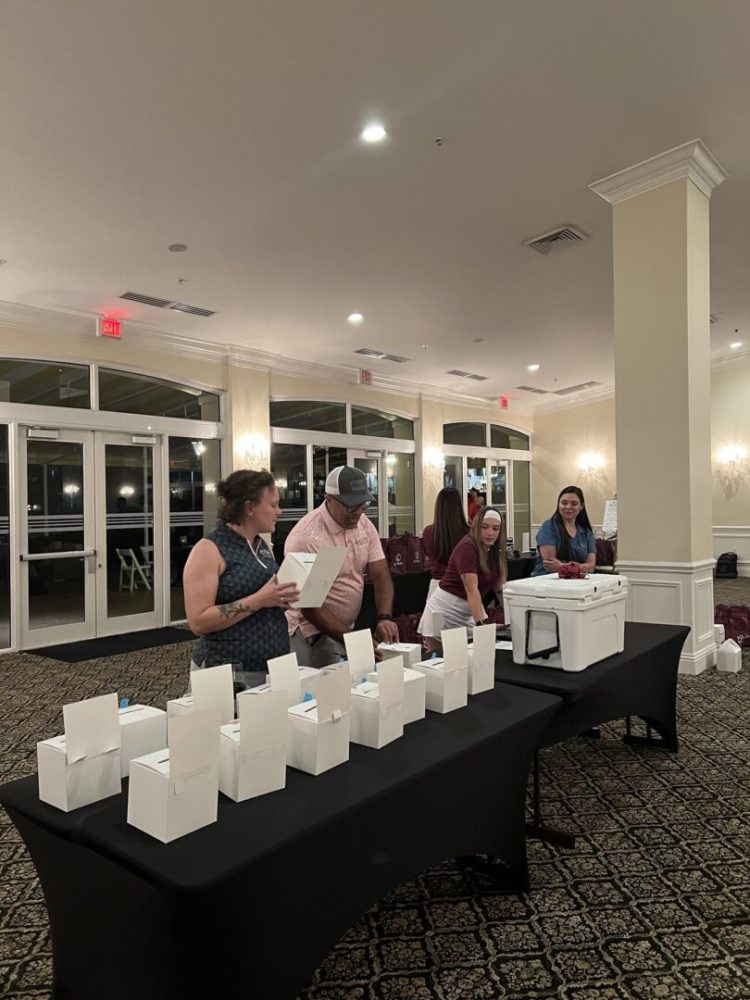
(230,610)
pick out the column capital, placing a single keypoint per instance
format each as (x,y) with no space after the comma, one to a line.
(692,160)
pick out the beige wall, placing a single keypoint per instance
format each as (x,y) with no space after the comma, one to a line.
(560,438)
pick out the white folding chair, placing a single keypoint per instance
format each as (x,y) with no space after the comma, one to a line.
(129,566)
(147,560)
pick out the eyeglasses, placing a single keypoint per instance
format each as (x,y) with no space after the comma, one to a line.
(360,506)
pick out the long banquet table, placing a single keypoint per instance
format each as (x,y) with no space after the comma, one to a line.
(251,905)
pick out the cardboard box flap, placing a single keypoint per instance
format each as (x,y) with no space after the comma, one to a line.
(391,683)
(360,652)
(313,572)
(263,723)
(91,727)
(455,647)
(213,687)
(333,694)
(483,645)
(193,743)
(284,674)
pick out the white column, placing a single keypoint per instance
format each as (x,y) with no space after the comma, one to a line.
(662,389)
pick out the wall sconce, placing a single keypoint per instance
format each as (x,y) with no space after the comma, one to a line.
(732,468)
(432,468)
(590,463)
(253,451)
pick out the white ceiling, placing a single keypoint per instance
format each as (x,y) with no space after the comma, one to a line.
(233,127)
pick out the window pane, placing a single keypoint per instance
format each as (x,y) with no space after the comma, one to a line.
(378,423)
(465,433)
(130,529)
(44,383)
(289,469)
(521,504)
(476,479)
(400,474)
(123,393)
(307,415)
(194,470)
(505,437)
(324,459)
(452,472)
(4,541)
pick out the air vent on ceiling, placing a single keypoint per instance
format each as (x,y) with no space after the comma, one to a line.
(381,355)
(150,300)
(147,300)
(575,388)
(477,378)
(531,388)
(556,239)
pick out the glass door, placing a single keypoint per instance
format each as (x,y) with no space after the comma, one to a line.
(370,463)
(91,535)
(130,541)
(58,552)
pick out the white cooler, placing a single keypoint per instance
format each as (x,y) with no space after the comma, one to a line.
(568,624)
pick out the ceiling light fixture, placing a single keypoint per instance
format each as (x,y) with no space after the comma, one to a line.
(735,345)
(355,319)
(373,133)
(177,247)
(532,368)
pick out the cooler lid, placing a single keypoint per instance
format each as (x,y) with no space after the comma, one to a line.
(595,585)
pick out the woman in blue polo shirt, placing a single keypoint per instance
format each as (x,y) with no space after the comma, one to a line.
(567,536)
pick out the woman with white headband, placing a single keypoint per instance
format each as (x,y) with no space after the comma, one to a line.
(476,568)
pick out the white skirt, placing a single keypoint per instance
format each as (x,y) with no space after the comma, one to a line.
(443,610)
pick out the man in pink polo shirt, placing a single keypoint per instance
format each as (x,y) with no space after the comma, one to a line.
(317,634)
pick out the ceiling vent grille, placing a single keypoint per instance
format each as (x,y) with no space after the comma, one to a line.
(556,239)
(531,388)
(576,388)
(150,300)
(381,355)
(476,378)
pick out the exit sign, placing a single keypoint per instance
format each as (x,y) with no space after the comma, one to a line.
(109,327)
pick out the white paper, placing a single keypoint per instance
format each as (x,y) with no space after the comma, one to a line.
(91,727)
(313,572)
(333,694)
(193,744)
(213,687)
(455,647)
(391,682)
(360,652)
(283,672)
(504,644)
(263,722)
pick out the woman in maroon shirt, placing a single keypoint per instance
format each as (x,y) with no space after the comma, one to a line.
(475,568)
(440,538)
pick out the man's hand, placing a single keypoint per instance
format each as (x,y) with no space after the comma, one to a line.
(386,631)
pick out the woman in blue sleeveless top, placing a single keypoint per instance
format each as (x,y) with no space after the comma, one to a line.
(232,599)
(567,536)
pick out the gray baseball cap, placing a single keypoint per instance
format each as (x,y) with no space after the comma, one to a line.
(349,486)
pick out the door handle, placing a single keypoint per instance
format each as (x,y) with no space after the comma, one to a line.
(67,554)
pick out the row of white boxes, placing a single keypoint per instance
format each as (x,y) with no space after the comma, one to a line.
(179,760)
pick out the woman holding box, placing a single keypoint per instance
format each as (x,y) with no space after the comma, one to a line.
(232,599)
(476,567)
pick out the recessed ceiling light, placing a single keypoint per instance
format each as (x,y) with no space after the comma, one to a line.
(177,247)
(532,368)
(425,347)
(373,133)
(735,345)
(479,340)
(355,319)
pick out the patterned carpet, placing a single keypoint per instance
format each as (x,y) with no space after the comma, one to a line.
(652,904)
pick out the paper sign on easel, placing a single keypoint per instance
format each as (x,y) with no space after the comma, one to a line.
(313,572)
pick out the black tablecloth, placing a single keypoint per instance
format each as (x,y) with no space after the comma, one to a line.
(641,681)
(252,904)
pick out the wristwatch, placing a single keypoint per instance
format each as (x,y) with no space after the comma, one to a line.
(385,618)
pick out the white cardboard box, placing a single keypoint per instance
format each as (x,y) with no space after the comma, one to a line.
(252,752)
(482,659)
(447,685)
(378,709)
(567,624)
(212,687)
(175,791)
(319,729)
(285,674)
(143,730)
(83,766)
(415,693)
(411,651)
(313,572)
